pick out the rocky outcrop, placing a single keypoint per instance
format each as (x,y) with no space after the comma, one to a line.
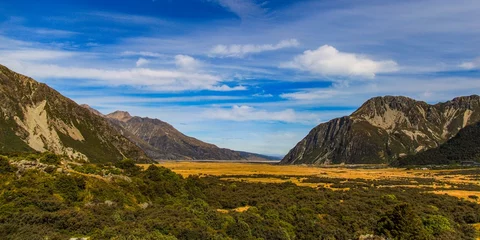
(34,117)
(383,129)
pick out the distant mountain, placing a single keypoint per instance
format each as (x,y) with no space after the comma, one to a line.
(256,156)
(383,129)
(160,140)
(465,146)
(34,117)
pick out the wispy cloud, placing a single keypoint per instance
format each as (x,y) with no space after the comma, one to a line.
(127,18)
(35,54)
(312,94)
(56,32)
(161,80)
(142,53)
(247,113)
(327,60)
(125,101)
(245,9)
(238,50)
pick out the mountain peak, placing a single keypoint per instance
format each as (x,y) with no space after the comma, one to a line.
(120,115)
(389,100)
(382,103)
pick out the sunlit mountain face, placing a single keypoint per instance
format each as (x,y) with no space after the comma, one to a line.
(247,75)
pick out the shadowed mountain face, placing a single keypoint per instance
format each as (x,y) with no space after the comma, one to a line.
(34,117)
(465,146)
(383,129)
(161,140)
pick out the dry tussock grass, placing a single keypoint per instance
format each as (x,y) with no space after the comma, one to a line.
(292,173)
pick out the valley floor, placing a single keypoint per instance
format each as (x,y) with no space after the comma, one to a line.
(461,183)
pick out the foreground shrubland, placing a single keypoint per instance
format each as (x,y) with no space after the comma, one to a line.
(122,201)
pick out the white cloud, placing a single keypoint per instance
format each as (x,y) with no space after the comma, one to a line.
(237,50)
(141,62)
(186,62)
(471,65)
(326,60)
(247,113)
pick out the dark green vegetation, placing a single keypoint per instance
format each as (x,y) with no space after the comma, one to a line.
(384,129)
(465,146)
(94,201)
(34,117)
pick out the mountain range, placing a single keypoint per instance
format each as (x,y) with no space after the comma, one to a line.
(391,129)
(36,118)
(384,129)
(161,140)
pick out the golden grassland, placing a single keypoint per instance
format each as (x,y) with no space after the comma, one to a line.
(294,174)
(238,209)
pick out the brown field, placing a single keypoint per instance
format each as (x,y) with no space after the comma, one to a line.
(294,173)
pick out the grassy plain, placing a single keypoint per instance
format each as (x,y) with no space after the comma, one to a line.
(464,185)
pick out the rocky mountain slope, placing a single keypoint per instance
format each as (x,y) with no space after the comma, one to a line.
(383,129)
(161,140)
(465,146)
(34,117)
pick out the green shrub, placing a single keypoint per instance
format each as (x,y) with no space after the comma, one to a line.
(402,223)
(70,187)
(129,167)
(50,158)
(5,166)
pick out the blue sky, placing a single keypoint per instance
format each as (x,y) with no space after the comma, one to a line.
(247,75)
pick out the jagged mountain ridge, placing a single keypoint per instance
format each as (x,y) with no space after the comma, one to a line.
(383,129)
(161,140)
(35,117)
